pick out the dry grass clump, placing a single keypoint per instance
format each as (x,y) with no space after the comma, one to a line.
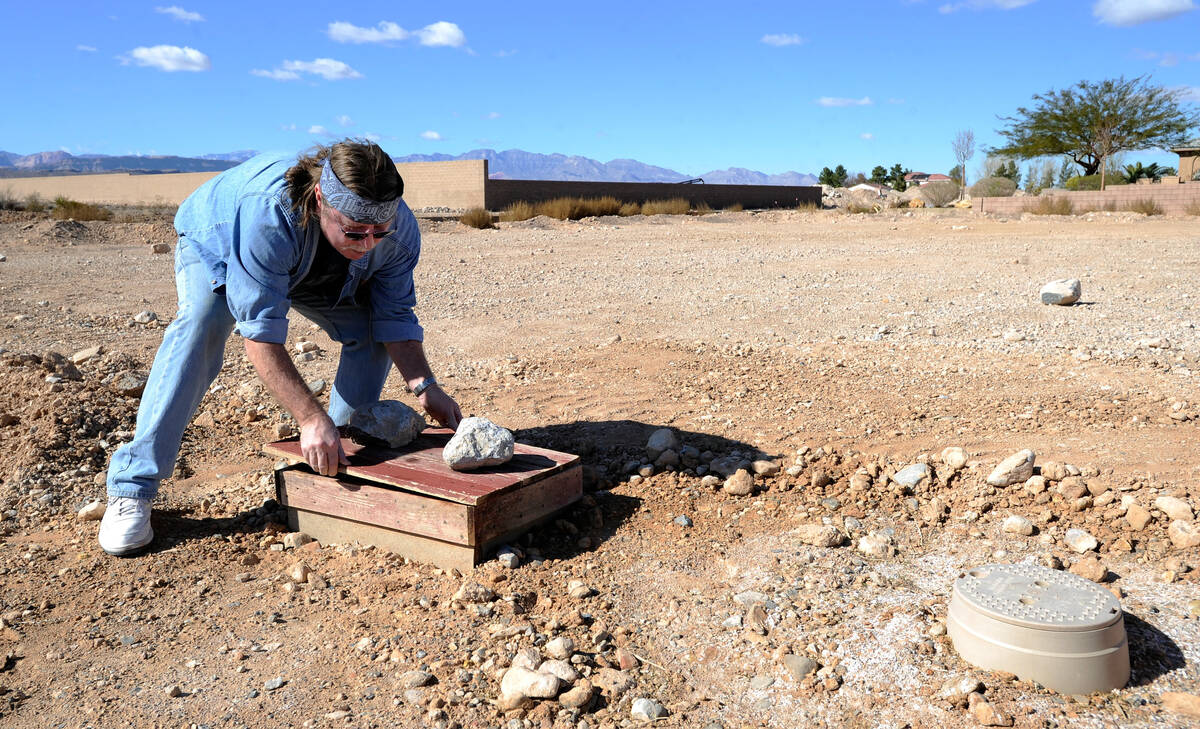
(65,208)
(519,210)
(861,208)
(674,206)
(1193,208)
(1050,205)
(34,203)
(630,208)
(702,208)
(9,201)
(808,207)
(734,208)
(1109,206)
(1145,206)
(477,218)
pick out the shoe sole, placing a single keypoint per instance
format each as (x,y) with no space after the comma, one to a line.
(132,550)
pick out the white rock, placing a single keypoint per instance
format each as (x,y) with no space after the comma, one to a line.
(390,421)
(145,317)
(565,671)
(1080,541)
(84,355)
(819,535)
(876,544)
(911,476)
(1018,525)
(533,684)
(92,511)
(1062,292)
(478,443)
(954,458)
(473,592)
(1017,468)
(1183,534)
(560,648)
(663,439)
(647,710)
(1175,508)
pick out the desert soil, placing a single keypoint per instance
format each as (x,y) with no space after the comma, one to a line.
(842,348)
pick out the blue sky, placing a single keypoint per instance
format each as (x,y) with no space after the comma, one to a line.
(693,86)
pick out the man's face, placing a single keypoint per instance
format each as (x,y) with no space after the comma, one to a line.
(335,226)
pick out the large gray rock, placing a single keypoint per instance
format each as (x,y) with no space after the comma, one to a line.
(387,421)
(477,443)
(663,439)
(1062,292)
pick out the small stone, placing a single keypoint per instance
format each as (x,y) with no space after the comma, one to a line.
(985,713)
(760,683)
(388,421)
(819,535)
(1017,468)
(298,573)
(578,697)
(560,648)
(478,443)
(1194,607)
(764,468)
(84,355)
(524,682)
(710,482)
(954,458)
(92,512)
(663,439)
(129,384)
(647,710)
(626,661)
(877,544)
(739,484)
(473,592)
(578,591)
(1016,524)
(508,559)
(1183,534)
(304,347)
(1061,292)
(956,690)
(145,317)
(667,458)
(294,540)
(317,387)
(799,666)
(1181,703)
(561,668)
(415,679)
(1174,508)
(174,691)
(1090,568)
(612,682)
(1137,516)
(911,476)
(158,248)
(284,430)
(820,479)
(683,520)
(1080,541)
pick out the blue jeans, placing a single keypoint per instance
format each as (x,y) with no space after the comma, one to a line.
(190,358)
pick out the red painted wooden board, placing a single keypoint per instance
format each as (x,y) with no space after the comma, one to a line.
(419,467)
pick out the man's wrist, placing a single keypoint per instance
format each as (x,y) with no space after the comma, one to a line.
(425,383)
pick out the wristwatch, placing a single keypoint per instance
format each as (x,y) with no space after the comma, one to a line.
(423,385)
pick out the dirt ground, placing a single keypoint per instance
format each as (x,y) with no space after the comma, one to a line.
(841,348)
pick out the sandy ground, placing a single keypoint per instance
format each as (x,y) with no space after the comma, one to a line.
(842,348)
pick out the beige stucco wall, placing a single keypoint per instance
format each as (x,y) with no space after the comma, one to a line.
(118,189)
(1189,165)
(457,184)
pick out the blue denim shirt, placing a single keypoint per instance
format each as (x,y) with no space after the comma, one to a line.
(242,225)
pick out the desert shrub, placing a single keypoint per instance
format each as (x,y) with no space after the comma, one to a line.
(674,206)
(940,193)
(477,218)
(630,208)
(65,208)
(702,208)
(1193,208)
(994,187)
(34,203)
(861,208)
(1092,182)
(734,208)
(808,207)
(1050,205)
(1145,206)
(1109,206)
(9,201)
(519,210)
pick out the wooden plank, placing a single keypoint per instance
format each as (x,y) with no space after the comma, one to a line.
(379,505)
(419,467)
(333,530)
(507,514)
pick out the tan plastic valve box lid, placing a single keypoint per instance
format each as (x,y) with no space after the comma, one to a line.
(1056,628)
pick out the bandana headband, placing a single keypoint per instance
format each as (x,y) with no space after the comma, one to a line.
(359,209)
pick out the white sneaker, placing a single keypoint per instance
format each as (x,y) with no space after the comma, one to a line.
(125,527)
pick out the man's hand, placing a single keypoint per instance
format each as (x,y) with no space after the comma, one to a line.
(322,445)
(441,407)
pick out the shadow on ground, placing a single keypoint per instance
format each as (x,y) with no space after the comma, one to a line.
(1152,653)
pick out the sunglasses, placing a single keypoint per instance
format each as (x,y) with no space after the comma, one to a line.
(357,235)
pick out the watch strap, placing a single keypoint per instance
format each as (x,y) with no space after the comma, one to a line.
(423,385)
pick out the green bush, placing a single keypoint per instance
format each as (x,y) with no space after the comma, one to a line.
(477,218)
(65,208)
(994,187)
(940,193)
(1092,182)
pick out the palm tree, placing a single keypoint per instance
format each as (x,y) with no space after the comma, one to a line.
(1135,172)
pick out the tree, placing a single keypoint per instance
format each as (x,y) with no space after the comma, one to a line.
(1010,170)
(1089,122)
(896,177)
(826,177)
(879,175)
(956,174)
(1031,180)
(1047,179)
(964,149)
(840,173)
(1133,173)
(855,178)
(1064,173)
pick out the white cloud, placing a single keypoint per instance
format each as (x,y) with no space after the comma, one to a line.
(343,32)
(85,49)
(867,136)
(319,130)
(504,54)
(180,14)
(1136,12)
(288,127)
(326,68)
(984,5)
(276,75)
(431,136)
(841,101)
(372,137)
(171,58)
(442,33)
(1189,93)
(782,39)
(344,120)
(492,115)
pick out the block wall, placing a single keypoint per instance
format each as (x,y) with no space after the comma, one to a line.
(502,193)
(457,184)
(1174,199)
(114,189)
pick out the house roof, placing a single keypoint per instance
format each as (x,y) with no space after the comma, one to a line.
(912,175)
(1191,146)
(937,177)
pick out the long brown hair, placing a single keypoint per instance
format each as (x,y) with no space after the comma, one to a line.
(362,166)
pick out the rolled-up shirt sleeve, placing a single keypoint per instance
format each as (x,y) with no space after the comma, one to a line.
(393,295)
(264,251)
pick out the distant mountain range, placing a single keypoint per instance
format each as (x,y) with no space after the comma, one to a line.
(511,164)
